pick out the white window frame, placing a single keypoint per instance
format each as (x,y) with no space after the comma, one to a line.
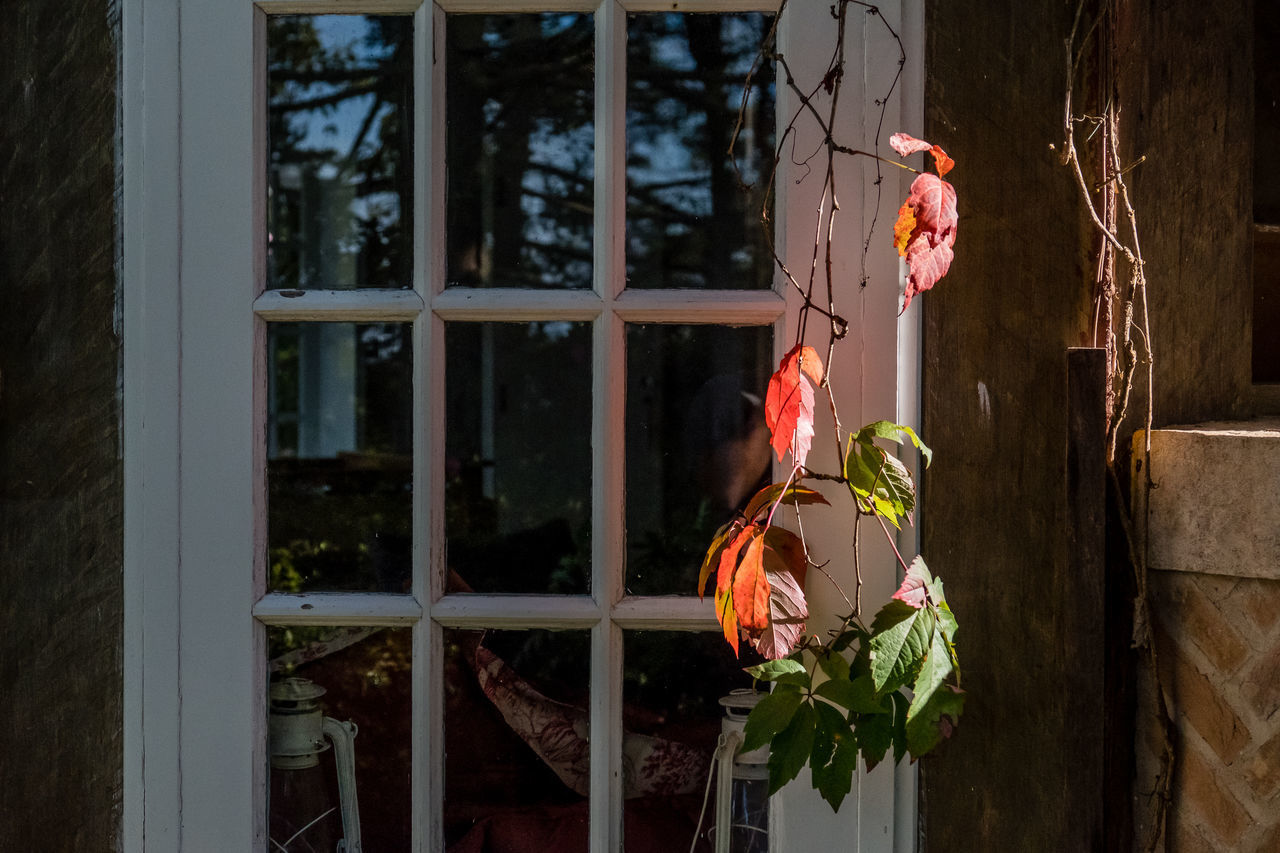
(194,400)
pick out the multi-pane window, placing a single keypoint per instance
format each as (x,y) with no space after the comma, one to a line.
(448,330)
(593,437)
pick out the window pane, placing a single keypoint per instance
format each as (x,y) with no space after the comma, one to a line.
(518,448)
(340,151)
(517,746)
(672,683)
(689,221)
(357,676)
(697,444)
(520,149)
(339,456)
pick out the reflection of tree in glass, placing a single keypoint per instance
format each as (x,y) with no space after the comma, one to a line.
(520,149)
(689,224)
(340,111)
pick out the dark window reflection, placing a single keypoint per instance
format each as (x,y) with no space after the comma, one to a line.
(517,740)
(339,456)
(340,153)
(697,444)
(352,675)
(1266,196)
(520,109)
(518,456)
(671,686)
(690,224)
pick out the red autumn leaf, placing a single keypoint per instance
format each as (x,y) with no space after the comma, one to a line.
(785,564)
(913,589)
(905,144)
(932,204)
(926,228)
(787,614)
(718,544)
(751,587)
(788,406)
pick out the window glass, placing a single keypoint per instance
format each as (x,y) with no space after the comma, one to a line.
(518,456)
(697,444)
(338,700)
(339,456)
(340,151)
(672,684)
(692,222)
(520,149)
(517,740)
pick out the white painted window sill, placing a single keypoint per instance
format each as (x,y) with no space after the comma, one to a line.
(1215,508)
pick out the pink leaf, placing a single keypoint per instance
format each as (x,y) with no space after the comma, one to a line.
(914,585)
(932,203)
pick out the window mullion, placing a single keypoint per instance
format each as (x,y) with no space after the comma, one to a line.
(609,381)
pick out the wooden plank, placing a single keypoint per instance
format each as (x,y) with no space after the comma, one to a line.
(1083,595)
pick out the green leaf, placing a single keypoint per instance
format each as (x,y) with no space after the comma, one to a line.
(947,623)
(790,749)
(894,432)
(935,720)
(933,673)
(771,715)
(835,666)
(847,637)
(899,703)
(783,671)
(858,695)
(900,637)
(875,736)
(835,755)
(876,477)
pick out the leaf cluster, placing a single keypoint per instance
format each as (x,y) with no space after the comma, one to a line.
(899,690)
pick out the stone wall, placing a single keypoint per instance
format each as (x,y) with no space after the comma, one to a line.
(61,492)
(1215,552)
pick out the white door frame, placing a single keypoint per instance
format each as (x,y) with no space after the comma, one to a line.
(192,190)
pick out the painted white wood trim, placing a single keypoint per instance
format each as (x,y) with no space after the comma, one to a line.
(151,341)
(723,307)
(337,608)
(474,610)
(427,690)
(512,304)
(333,7)
(665,613)
(223,667)
(347,306)
(910,407)
(608,430)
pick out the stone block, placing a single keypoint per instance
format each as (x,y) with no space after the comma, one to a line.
(1197,522)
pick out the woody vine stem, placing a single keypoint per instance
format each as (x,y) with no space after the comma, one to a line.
(1126,337)
(861,690)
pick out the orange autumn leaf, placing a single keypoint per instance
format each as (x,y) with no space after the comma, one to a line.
(788,405)
(751,587)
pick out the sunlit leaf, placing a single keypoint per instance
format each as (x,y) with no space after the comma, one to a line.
(783,671)
(722,537)
(934,720)
(751,586)
(794,495)
(913,590)
(900,638)
(788,405)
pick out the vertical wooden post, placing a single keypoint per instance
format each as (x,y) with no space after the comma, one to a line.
(1084,593)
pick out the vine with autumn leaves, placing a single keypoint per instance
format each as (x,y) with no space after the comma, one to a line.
(844,694)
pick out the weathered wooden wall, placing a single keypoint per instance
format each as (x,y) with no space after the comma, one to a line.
(1021,773)
(1186,89)
(60,471)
